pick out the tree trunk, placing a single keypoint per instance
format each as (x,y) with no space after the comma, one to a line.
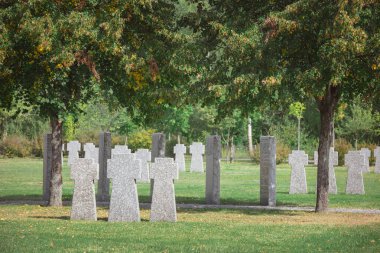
(250,146)
(326,108)
(299,133)
(56,168)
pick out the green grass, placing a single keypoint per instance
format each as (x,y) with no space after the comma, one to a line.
(22,179)
(48,229)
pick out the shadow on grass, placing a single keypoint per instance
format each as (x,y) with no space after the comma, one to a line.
(52,217)
(33,197)
(240,211)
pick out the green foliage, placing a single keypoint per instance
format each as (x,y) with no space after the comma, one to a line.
(16,146)
(141,139)
(296,109)
(68,128)
(169,147)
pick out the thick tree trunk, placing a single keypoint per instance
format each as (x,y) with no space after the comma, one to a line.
(56,173)
(326,108)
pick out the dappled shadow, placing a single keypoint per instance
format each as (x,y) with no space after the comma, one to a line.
(51,217)
(240,211)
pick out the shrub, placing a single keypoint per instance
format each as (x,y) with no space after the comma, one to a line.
(169,147)
(371,147)
(282,153)
(140,139)
(16,146)
(342,146)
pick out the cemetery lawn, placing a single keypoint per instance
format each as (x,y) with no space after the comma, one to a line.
(48,229)
(21,179)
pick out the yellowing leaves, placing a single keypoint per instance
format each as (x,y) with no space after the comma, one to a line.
(139,80)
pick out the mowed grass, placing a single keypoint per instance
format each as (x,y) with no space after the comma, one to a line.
(48,229)
(21,179)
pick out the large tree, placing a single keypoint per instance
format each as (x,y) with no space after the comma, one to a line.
(56,55)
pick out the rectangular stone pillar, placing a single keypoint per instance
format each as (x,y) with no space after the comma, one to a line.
(105,146)
(47,163)
(158,150)
(267,171)
(213,156)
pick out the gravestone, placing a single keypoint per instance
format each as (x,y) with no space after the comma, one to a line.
(315,157)
(144,156)
(163,171)
(158,150)
(213,155)
(47,163)
(84,172)
(333,160)
(197,149)
(91,152)
(354,161)
(367,154)
(180,151)
(297,160)
(120,149)
(73,147)
(376,154)
(124,169)
(104,155)
(267,171)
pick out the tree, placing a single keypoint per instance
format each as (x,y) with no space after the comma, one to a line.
(57,55)
(296,109)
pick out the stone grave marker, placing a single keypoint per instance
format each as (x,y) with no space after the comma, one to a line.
(121,149)
(73,147)
(213,156)
(297,160)
(267,171)
(376,153)
(180,151)
(367,154)
(197,149)
(145,156)
(158,150)
(124,169)
(315,157)
(354,161)
(163,171)
(84,172)
(104,155)
(333,160)
(91,152)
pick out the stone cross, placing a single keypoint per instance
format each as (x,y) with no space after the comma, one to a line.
(376,154)
(158,150)
(367,154)
(354,160)
(144,155)
(197,149)
(163,171)
(333,160)
(84,172)
(91,152)
(124,169)
(104,155)
(267,171)
(297,160)
(180,151)
(73,147)
(315,157)
(120,149)
(213,155)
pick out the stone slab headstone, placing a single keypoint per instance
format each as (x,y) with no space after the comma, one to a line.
(333,160)
(120,149)
(213,156)
(267,171)
(367,154)
(158,150)
(144,155)
(163,171)
(180,151)
(47,163)
(73,147)
(376,154)
(91,152)
(84,172)
(124,169)
(104,155)
(315,157)
(298,160)
(354,161)
(197,149)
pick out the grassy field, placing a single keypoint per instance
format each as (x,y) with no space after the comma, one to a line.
(48,229)
(33,228)
(22,179)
